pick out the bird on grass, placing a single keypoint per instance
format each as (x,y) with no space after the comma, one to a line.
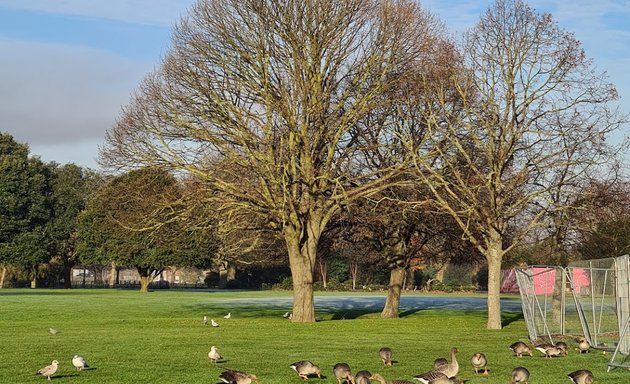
(79,362)
(440,361)
(550,350)
(214,323)
(479,361)
(205,320)
(362,377)
(286,315)
(520,375)
(214,355)
(519,348)
(343,373)
(386,356)
(53,331)
(583,345)
(563,346)
(582,376)
(232,376)
(48,370)
(228,315)
(431,377)
(381,379)
(306,368)
(449,369)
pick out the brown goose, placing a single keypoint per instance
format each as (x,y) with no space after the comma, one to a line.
(582,376)
(305,368)
(519,348)
(237,377)
(386,356)
(381,380)
(48,370)
(343,373)
(550,350)
(479,361)
(562,345)
(583,345)
(431,377)
(440,361)
(448,370)
(520,375)
(452,369)
(362,377)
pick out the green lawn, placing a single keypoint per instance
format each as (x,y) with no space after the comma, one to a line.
(128,337)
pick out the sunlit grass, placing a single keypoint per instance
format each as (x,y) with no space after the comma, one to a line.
(128,337)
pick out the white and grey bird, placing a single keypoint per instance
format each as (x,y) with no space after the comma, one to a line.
(519,348)
(479,361)
(232,376)
(214,323)
(53,331)
(214,355)
(79,362)
(205,320)
(581,376)
(385,354)
(48,370)
(550,350)
(228,315)
(520,375)
(286,314)
(291,316)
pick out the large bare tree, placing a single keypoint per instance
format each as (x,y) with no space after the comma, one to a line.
(276,88)
(533,120)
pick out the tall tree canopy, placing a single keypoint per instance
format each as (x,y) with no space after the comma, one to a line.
(281,90)
(24,207)
(532,123)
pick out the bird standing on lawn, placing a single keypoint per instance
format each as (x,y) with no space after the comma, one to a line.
(582,376)
(232,376)
(479,361)
(48,370)
(386,356)
(79,362)
(520,375)
(343,373)
(214,323)
(306,368)
(53,331)
(214,355)
(228,315)
(205,320)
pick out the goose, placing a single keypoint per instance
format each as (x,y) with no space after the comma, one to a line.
(520,375)
(343,373)
(562,345)
(582,376)
(583,344)
(519,348)
(79,362)
(232,376)
(449,369)
(550,350)
(380,379)
(479,361)
(214,355)
(362,377)
(431,377)
(440,361)
(386,356)
(48,370)
(305,368)
(205,320)
(228,315)
(214,323)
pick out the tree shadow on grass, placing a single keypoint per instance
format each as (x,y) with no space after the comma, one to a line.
(508,318)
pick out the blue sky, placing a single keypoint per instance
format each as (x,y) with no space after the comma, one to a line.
(67,67)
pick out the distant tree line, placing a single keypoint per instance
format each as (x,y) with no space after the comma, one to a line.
(281,133)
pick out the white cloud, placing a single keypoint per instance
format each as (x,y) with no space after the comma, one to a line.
(152,12)
(59,95)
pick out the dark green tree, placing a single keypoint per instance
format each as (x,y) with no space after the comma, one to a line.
(24,207)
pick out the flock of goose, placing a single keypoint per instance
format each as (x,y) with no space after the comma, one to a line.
(443,371)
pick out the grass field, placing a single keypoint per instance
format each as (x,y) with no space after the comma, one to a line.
(129,337)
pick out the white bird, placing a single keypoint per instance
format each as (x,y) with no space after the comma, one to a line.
(48,370)
(79,362)
(291,316)
(53,331)
(205,320)
(213,355)
(286,315)
(214,323)
(228,315)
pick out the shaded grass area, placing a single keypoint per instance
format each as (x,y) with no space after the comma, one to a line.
(128,337)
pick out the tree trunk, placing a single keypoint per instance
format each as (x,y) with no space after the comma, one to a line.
(231,272)
(144,283)
(67,275)
(323,271)
(494,254)
(4,274)
(354,273)
(34,283)
(302,249)
(113,275)
(392,304)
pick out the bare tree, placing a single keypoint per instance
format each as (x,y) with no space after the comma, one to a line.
(533,119)
(276,88)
